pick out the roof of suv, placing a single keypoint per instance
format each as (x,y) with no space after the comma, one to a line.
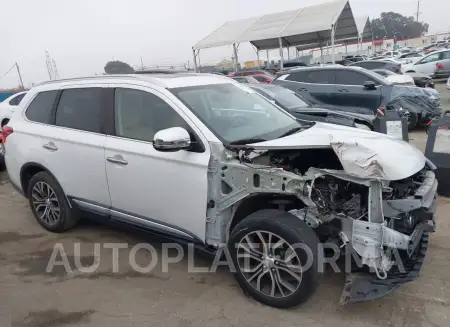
(161,80)
(327,67)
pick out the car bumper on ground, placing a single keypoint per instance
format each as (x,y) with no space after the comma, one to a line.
(366,286)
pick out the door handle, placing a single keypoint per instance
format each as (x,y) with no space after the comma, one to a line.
(50,146)
(343,90)
(117,159)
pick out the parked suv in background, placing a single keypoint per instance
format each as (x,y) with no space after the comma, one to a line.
(210,162)
(378,64)
(356,89)
(7,108)
(436,64)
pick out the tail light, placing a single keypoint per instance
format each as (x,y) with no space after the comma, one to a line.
(381,111)
(6,131)
(439,65)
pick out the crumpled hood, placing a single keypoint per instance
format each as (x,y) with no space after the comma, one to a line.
(362,153)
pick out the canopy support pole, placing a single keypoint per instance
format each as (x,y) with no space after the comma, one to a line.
(333,32)
(281,52)
(289,55)
(257,58)
(268,61)
(236,61)
(346,48)
(195,60)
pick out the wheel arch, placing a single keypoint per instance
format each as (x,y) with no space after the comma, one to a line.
(262,201)
(30,169)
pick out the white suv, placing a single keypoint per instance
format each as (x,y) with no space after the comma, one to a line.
(206,160)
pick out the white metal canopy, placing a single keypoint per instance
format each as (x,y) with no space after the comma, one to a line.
(364,28)
(315,24)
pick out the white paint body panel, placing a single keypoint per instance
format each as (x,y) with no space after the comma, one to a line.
(360,146)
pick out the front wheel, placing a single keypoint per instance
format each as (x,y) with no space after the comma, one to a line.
(275,255)
(411,118)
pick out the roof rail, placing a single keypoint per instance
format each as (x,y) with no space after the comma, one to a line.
(106,76)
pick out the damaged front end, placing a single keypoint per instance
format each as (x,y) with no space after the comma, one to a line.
(346,196)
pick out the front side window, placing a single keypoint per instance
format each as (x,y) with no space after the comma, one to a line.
(41,107)
(80,109)
(235,113)
(139,115)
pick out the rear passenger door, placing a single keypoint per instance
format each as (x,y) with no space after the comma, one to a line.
(350,92)
(316,85)
(72,148)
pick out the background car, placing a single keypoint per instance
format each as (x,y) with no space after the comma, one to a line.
(303,110)
(360,90)
(420,80)
(436,64)
(379,64)
(7,108)
(251,72)
(263,78)
(410,57)
(245,79)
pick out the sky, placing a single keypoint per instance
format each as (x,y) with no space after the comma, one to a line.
(82,35)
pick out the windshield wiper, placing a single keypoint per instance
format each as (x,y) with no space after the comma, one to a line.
(248,140)
(291,131)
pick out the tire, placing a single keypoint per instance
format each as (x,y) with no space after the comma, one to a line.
(412,120)
(43,186)
(279,225)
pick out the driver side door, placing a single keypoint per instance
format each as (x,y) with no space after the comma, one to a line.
(166,191)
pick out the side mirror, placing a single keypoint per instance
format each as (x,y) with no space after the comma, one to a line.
(172,139)
(369,85)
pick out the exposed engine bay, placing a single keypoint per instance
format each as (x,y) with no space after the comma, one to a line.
(371,216)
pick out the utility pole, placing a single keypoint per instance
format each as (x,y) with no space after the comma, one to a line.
(418,12)
(20,77)
(142,64)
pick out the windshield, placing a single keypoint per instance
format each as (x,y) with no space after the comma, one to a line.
(235,112)
(285,97)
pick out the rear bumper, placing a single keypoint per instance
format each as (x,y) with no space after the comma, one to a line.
(442,74)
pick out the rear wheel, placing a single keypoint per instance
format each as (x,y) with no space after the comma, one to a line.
(275,255)
(49,204)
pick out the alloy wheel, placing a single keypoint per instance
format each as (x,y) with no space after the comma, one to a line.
(407,115)
(45,203)
(269,264)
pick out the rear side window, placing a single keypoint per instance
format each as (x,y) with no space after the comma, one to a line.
(344,77)
(261,79)
(40,108)
(80,109)
(16,100)
(313,76)
(445,55)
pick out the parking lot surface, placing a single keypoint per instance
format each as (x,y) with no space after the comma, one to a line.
(32,297)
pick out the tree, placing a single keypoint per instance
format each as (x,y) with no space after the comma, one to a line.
(394,25)
(118,67)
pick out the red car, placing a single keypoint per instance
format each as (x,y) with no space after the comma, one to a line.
(251,73)
(263,78)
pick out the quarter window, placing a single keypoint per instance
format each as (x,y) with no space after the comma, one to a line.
(139,115)
(80,109)
(16,100)
(40,108)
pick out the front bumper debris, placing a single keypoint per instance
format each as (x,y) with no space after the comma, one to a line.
(362,287)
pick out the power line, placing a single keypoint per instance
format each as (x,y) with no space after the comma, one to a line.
(13,66)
